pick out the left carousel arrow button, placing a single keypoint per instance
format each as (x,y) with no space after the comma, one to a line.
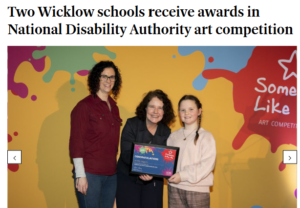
(14,156)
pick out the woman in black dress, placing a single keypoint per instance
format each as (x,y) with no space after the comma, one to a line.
(153,115)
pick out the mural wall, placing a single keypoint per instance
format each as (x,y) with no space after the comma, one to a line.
(249,104)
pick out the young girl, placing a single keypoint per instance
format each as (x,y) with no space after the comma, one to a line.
(189,186)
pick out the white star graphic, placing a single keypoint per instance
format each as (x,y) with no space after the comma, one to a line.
(281,61)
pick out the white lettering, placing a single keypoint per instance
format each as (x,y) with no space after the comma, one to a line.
(263,122)
(271,86)
(286,110)
(262,84)
(284,90)
(284,124)
(256,104)
(293,91)
(275,106)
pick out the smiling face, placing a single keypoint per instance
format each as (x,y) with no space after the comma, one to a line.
(106,84)
(189,112)
(154,111)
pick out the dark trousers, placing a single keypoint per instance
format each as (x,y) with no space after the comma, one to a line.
(133,195)
(101,191)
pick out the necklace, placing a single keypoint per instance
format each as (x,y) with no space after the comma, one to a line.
(187,135)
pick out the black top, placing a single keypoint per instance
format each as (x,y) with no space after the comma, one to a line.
(135,130)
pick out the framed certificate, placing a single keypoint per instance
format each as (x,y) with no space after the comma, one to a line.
(154,160)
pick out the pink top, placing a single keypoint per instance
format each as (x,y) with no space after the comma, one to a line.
(195,162)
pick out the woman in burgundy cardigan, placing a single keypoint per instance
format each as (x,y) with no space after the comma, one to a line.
(94,139)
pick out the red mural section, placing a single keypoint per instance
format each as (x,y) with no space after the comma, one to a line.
(265,92)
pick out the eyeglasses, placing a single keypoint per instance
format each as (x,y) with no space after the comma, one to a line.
(105,78)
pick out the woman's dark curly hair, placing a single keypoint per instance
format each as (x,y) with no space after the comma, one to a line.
(94,77)
(168,117)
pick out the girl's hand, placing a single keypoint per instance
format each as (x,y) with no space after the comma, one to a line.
(175,178)
(82,185)
(146,177)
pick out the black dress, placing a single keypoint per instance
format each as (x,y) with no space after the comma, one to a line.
(131,190)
